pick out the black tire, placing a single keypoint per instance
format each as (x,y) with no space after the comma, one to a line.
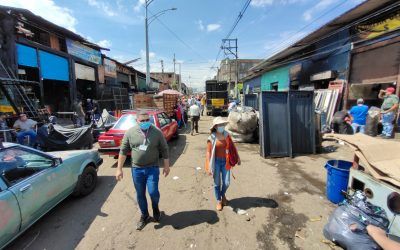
(87,181)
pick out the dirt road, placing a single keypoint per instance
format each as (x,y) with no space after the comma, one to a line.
(282,201)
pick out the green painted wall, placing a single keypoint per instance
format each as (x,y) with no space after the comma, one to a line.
(280,75)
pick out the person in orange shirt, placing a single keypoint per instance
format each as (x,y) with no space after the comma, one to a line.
(218,163)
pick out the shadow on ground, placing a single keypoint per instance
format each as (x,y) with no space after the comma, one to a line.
(66,224)
(252,202)
(186,219)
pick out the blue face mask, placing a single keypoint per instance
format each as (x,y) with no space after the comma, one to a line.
(145,125)
(221,129)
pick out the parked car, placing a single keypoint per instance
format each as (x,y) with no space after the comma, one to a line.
(33,182)
(110,141)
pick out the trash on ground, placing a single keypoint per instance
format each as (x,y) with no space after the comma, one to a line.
(299,235)
(240,211)
(319,218)
(175,178)
(198,168)
(355,210)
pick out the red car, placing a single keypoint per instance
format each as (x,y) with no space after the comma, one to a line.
(110,141)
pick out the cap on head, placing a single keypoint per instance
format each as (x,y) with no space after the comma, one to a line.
(22,114)
(390,90)
(360,101)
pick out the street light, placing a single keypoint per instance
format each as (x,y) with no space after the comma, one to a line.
(147,23)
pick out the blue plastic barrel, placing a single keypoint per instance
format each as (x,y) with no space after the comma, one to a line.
(337,179)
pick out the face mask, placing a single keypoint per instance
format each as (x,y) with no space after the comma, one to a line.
(145,125)
(221,129)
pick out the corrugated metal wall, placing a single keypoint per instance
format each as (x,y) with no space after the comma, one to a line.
(251,100)
(287,123)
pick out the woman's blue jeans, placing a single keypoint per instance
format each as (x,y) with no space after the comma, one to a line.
(221,174)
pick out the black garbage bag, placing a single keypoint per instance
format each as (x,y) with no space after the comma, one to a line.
(55,137)
(355,210)
(373,117)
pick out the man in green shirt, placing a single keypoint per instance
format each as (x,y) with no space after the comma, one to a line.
(145,142)
(388,110)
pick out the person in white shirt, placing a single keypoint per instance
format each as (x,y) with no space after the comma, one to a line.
(194,113)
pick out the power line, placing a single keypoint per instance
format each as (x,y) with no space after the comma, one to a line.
(177,37)
(239,17)
(291,40)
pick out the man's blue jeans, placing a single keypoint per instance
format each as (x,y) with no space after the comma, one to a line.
(142,177)
(387,123)
(30,133)
(221,173)
(355,126)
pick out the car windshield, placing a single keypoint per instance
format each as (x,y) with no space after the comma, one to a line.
(18,158)
(128,121)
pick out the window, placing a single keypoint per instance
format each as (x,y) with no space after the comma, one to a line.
(126,122)
(167,118)
(17,164)
(274,86)
(162,120)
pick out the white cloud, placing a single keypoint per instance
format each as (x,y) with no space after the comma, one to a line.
(104,43)
(201,25)
(320,6)
(264,3)
(213,27)
(48,10)
(139,5)
(143,54)
(261,3)
(105,7)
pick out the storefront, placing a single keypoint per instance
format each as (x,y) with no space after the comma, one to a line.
(374,66)
(85,81)
(54,71)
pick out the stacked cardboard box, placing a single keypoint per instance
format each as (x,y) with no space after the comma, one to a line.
(142,100)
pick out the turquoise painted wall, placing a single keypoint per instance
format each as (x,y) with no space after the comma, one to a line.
(280,75)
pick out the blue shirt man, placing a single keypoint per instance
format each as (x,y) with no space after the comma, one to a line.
(359,116)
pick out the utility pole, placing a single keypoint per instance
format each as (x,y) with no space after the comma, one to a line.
(180,78)
(174,71)
(147,44)
(231,49)
(162,66)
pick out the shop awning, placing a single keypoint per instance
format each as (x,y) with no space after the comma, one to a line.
(53,67)
(84,72)
(26,56)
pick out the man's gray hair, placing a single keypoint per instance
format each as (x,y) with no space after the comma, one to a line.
(143,112)
(360,101)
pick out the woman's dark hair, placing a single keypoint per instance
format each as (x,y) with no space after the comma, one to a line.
(213,130)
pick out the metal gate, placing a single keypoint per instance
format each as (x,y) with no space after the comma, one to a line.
(251,100)
(287,123)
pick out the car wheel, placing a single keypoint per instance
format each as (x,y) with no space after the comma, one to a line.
(87,181)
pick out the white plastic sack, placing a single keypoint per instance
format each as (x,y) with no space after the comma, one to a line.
(243,121)
(241,138)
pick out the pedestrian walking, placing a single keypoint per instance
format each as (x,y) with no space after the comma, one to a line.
(388,110)
(221,156)
(145,143)
(194,113)
(80,114)
(203,104)
(178,115)
(358,115)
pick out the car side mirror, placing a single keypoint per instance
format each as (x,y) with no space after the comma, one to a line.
(57,162)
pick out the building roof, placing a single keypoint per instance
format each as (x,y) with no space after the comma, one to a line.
(28,16)
(324,31)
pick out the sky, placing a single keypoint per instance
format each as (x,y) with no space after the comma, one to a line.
(193,32)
